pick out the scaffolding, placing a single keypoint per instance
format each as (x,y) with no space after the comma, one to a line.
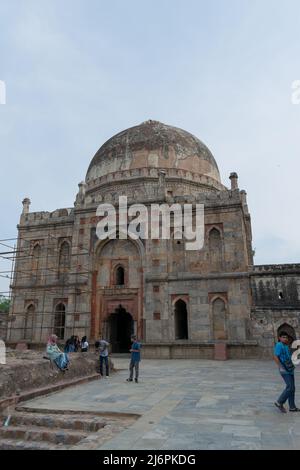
(29,282)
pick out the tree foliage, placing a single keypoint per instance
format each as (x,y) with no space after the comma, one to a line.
(4,304)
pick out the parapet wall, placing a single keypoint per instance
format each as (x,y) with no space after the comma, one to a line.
(276,285)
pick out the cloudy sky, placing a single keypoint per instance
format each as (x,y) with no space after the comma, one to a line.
(79,71)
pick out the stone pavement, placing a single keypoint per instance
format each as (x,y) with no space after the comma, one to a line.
(190,404)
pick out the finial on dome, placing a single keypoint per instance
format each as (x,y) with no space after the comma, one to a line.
(150,121)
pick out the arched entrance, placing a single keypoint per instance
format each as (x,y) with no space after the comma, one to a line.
(117,281)
(120,328)
(181,320)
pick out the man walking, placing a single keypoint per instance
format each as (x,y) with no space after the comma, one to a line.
(282,357)
(135,359)
(103,348)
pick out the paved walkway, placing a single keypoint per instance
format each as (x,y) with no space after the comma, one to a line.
(190,404)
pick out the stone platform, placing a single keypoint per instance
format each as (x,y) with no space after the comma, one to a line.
(188,404)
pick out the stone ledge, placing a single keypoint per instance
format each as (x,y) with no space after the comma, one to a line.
(274,269)
(26,371)
(190,276)
(112,414)
(13,400)
(247,342)
(271,308)
(144,173)
(200,350)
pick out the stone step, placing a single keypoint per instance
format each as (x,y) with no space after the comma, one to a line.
(11,444)
(42,434)
(74,422)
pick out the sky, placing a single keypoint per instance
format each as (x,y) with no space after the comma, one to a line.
(77,72)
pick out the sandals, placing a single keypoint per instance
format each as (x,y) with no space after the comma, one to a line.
(280,407)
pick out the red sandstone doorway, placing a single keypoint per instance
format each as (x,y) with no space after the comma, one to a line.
(120,327)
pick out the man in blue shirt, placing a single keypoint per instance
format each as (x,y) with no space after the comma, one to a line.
(135,359)
(283,358)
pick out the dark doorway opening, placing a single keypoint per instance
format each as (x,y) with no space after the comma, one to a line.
(121,327)
(181,321)
(120,276)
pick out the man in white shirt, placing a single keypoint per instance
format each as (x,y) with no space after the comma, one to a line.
(103,349)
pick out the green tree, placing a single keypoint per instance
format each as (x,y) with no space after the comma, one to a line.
(4,304)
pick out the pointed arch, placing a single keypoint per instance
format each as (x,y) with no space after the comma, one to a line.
(119,275)
(181,319)
(100,246)
(64,258)
(219,320)
(60,320)
(109,255)
(29,322)
(119,328)
(215,244)
(36,256)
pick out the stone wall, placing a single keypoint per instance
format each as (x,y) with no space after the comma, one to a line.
(204,350)
(276,285)
(27,370)
(276,304)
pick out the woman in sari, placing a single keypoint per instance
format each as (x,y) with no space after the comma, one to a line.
(56,355)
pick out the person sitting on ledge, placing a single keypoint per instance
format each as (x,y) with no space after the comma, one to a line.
(60,358)
(70,345)
(84,344)
(77,343)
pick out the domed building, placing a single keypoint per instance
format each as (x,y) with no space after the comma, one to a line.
(181,303)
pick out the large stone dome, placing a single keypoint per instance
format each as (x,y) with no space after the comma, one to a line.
(153,144)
